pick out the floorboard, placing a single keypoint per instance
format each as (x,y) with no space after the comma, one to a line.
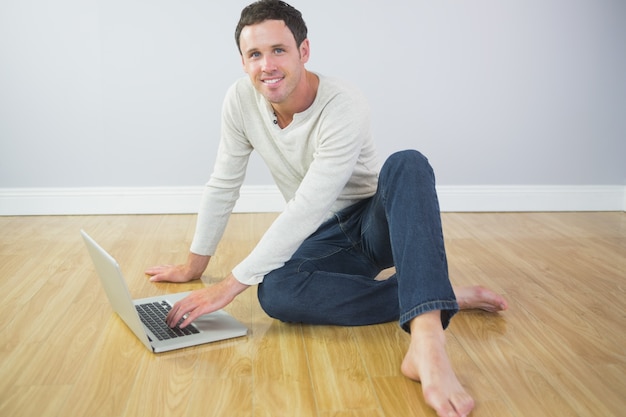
(559,349)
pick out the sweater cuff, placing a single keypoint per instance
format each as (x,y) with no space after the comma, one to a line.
(245,278)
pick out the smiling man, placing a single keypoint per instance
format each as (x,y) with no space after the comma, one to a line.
(346,218)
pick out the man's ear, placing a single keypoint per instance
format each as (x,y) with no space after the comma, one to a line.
(305,51)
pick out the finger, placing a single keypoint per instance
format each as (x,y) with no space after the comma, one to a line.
(172,317)
(190,317)
(162,268)
(158,277)
(161,276)
(153,270)
(172,321)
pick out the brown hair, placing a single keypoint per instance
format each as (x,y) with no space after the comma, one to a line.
(263,10)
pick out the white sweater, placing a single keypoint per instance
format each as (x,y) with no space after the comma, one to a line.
(322,162)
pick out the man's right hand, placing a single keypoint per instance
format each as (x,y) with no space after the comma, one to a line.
(193,269)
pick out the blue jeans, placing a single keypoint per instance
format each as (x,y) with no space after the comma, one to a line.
(330,278)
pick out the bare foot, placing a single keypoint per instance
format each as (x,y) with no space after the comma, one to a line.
(426,361)
(478,297)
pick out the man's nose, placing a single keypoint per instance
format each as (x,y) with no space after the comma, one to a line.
(268,64)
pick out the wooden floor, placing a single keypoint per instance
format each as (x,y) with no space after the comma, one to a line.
(560,350)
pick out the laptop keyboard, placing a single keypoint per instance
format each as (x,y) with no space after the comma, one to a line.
(153,317)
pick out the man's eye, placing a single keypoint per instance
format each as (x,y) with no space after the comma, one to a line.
(255,55)
(279,50)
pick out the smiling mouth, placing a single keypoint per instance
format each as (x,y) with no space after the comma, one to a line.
(272,81)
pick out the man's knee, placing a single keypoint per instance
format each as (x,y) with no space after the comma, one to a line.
(408,157)
(407,162)
(275,300)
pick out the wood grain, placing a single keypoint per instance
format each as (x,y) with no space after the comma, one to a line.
(559,349)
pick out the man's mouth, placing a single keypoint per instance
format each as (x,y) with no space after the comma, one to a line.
(272,81)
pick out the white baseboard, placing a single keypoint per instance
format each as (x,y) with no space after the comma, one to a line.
(532,198)
(126,200)
(175,200)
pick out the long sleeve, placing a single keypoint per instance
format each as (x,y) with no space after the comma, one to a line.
(222,190)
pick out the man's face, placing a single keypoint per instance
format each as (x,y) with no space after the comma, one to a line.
(272,59)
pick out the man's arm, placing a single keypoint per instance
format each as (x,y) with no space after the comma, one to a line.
(192,269)
(218,197)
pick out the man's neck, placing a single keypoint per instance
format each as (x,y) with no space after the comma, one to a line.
(302,100)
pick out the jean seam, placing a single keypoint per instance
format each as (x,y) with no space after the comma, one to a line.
(305,260)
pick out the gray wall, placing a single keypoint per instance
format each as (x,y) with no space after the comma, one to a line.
(127,93)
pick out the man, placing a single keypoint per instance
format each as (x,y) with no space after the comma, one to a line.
(345,219)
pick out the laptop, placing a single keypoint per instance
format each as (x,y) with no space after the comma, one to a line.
(145,316)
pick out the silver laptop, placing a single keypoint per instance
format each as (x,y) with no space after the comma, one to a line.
(145,317)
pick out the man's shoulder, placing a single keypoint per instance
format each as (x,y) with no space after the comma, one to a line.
(341,92)
(241,86)
(337,85)
(240,96)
